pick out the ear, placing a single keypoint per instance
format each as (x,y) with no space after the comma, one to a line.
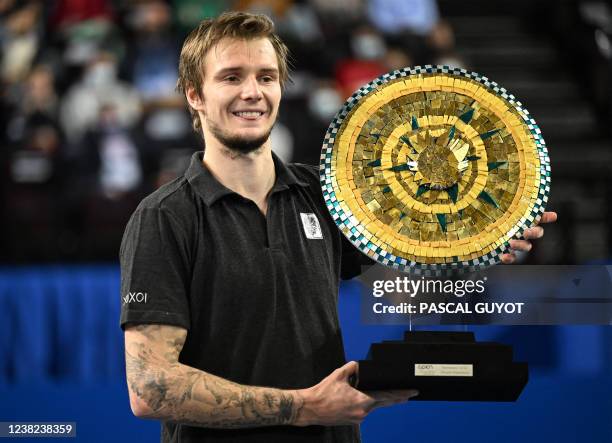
(194,99)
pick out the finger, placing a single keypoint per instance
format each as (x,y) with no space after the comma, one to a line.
(397,392)
(402,396)
(508,259)
(533,232)
(404,393)
(344,372)
(549,217)
(392,397)
(520,245)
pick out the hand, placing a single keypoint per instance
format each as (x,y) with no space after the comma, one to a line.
(335,402)
(529,234)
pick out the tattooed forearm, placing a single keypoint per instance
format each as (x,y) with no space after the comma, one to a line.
(176,392)
(286,409)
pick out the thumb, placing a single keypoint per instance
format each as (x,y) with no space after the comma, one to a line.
(349,369)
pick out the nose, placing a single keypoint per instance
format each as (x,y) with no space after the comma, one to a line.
(251,89)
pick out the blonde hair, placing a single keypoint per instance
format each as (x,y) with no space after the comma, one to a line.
(237,25)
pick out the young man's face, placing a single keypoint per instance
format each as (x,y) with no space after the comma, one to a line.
(240,94)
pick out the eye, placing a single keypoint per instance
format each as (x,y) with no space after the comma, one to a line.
(267,79)
(232,78)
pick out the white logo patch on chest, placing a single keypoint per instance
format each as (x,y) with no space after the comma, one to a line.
(312,228)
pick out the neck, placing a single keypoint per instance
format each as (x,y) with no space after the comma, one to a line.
(250,175)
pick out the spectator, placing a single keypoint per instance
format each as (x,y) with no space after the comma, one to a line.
(34,193)
(308,118)
(368,49)
(413,25)
(398,16)
(153,51)
(397,58)
(190,12)
(20,40)
(68,13)
(110,177)
(108,158)
(35,95)
(98,87)
(441,40)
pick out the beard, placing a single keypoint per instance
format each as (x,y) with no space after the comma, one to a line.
(236,143)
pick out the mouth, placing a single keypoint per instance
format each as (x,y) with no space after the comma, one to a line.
(248,115)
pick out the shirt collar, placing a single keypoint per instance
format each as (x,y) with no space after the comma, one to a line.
(211,190)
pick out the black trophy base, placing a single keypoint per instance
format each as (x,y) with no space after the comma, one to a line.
(444,366)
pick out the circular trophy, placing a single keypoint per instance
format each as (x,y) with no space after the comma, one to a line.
(434,169)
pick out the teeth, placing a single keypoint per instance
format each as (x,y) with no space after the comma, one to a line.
(249,114)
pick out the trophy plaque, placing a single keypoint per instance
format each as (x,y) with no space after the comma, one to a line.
(432,170)
(448,366)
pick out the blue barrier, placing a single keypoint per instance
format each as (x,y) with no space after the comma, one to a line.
(61,359)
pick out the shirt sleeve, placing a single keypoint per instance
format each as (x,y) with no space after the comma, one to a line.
(154,270)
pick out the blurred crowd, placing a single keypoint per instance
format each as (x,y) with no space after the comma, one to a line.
(90,121)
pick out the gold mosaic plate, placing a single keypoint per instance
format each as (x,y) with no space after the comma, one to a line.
(433,169)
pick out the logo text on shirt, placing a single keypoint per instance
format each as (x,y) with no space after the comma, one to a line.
(135,297)
(312,229)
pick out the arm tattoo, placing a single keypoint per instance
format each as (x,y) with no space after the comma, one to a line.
(176,392)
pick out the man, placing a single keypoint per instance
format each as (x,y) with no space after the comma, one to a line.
(230,274)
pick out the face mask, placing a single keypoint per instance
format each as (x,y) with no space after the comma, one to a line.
(101,74)
(368,46)
(324,103)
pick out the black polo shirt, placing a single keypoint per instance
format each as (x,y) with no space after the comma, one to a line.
(257,294)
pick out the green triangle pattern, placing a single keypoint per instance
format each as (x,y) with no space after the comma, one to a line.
(467,116)
(486,197)
(452,192)
(495,165)
(442,221)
